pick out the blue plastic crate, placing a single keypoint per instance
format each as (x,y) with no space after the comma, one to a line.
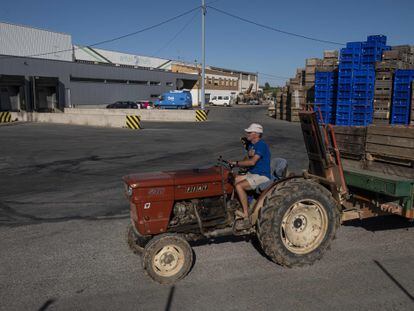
(377,38)
(325,87)
(368,84)
(344,87)
(345,79)
(354,45)
(349,65)
(367,94)
(401,102)
(362,101)
(403,120)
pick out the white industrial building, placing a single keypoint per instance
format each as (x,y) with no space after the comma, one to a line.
(43,70)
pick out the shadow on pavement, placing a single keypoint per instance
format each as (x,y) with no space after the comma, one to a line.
(47,304)
(389,275)
(381,223)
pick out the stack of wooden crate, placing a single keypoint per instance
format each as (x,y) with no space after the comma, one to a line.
(383,91)
(296,97)
(399,57)
(380,148)
(283,102)
(329,61)
(311,65)
(300,90)
(278,103)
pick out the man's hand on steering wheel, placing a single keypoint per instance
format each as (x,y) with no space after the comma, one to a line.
(225,163)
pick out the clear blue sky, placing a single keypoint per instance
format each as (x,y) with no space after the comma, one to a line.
(230,43)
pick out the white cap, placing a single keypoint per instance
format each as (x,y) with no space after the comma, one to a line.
(254,127)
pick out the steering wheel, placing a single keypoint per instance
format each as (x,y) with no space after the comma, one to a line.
(225,163)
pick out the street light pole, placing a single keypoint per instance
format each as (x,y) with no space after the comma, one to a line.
(203,48)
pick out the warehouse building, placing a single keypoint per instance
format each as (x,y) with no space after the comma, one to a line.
(42,70)
(38,71)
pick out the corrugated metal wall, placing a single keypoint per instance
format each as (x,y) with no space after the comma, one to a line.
(24,41)
(89,92)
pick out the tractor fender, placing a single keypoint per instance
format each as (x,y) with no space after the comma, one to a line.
(269,190)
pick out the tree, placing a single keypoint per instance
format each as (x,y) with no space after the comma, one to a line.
(267,86)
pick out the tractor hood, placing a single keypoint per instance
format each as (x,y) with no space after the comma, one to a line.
(171,178)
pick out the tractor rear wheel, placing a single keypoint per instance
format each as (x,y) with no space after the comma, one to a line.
(167,258)
(298,222)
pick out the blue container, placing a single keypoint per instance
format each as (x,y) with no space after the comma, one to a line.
(401,102)
(377,38)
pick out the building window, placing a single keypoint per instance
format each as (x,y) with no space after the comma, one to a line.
(138,82)
(155,83)
(155,95)
(98,80)
(252,78)
(245,77)
(169,84)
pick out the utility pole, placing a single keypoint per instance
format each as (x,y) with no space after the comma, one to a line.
(203,48)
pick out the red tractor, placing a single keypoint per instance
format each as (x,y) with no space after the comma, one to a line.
(295,218)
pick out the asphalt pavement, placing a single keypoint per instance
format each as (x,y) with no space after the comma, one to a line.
(63,217)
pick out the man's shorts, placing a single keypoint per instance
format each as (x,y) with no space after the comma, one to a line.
(255,180)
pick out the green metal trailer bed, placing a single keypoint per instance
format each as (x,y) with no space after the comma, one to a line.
(390,193)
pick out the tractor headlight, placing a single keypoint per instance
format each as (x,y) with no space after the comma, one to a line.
(128,190)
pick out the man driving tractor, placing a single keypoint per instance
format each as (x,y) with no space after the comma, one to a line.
(257,164)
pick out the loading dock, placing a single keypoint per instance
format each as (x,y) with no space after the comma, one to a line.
(12,93)
(45,92)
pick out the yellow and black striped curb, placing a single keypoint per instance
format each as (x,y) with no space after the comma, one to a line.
(5,117)
(133,122)
(201,115)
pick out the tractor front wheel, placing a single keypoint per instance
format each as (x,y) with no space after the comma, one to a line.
(298,222)
(167,258)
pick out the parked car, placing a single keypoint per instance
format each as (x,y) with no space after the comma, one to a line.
(175,100)
(221,101)
(145,104)
(254,102)
(123,105)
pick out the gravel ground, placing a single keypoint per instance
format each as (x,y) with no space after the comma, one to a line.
(63,218)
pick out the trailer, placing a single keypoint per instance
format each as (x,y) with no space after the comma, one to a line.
(376,166)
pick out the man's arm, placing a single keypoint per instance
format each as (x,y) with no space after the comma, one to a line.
(246,163)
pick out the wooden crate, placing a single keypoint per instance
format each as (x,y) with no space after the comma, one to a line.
(392,144)
(382,104)
(384,75)
(313,61)
(328,54)
(380,121)
(385,96)
(384,148)
(381,114)
(351,141)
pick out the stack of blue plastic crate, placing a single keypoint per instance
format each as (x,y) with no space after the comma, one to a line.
(325,95)
(356,79)
(401,102)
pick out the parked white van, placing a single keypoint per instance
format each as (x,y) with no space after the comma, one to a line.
(221,101)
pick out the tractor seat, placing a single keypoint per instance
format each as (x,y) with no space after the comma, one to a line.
(278,167)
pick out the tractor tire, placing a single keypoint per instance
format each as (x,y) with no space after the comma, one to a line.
(167,258)
(136,242)
(297,223)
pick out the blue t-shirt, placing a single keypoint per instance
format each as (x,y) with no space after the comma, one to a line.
(262,166)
